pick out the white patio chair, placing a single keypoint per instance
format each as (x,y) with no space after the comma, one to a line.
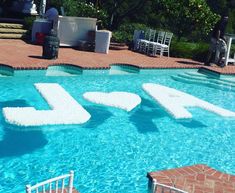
(162,188)
(61,184)
(165,46)
(150,36)
(153,44)
(138,35)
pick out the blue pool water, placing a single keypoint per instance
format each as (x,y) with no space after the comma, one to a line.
(113,152)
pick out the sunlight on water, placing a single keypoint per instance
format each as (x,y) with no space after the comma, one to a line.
(115,149)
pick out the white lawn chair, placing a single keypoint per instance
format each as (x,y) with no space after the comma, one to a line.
(150,36)
(61,184)
(138,35)
(152,45)
(165,46)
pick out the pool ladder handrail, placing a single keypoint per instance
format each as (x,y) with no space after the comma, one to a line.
(41,187)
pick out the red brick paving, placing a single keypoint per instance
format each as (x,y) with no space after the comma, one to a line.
(21,55)
(196,179)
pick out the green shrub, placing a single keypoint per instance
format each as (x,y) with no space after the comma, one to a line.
(83,9)
(183,49)
(196,51)
(126,31)
(28,22)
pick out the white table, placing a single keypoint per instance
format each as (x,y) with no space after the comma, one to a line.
(73,30)
(229,38)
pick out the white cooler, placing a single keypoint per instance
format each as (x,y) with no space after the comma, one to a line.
(102,41)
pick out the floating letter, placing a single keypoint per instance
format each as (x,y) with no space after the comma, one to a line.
(123,100)
(65,109)
(175,101)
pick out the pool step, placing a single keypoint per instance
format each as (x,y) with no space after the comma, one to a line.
(209,77)
(13,36)
(12,25)
(205,80)
(12,29)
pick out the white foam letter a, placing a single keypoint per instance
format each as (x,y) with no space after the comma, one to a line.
(175,101)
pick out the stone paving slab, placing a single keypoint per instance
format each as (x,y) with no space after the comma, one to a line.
(196,179)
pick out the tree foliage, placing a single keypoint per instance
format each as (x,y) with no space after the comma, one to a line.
(119,10)
(217,6)
(188,17)
(185,18)
(81,8)
(191,19)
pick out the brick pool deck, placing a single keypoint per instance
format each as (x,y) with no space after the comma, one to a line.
(21,55)
(194,179)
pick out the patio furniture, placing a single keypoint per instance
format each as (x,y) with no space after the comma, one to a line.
(73,30)
(162,188)
(102,41)
(165,46)
(229,38)
(138,35)
(57,184)
(149,37)
(152,45)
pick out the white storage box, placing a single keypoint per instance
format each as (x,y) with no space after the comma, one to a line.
(102,41)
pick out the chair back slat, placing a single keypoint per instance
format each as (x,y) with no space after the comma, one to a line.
(50,187)
(62,189)
(71,182)
(59,183)
(44,189)
(168,38)
(56,186)
(152,34)
(160,37)
(149,37)
(162,188)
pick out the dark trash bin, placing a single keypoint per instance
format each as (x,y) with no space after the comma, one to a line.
(51,46)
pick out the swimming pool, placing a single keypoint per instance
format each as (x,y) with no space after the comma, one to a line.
(114,150)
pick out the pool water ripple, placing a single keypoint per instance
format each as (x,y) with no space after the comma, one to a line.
(113,151)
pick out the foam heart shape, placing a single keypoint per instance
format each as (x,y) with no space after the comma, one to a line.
(123,100)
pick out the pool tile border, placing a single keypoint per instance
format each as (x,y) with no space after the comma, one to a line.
(202,69)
